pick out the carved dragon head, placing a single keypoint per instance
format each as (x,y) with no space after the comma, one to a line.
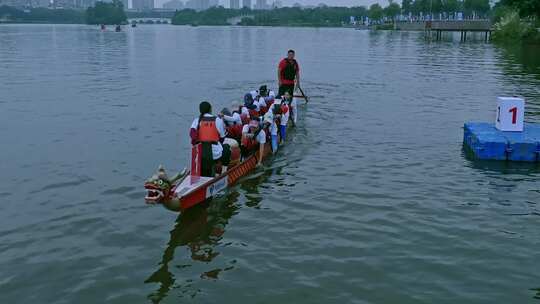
(160,188)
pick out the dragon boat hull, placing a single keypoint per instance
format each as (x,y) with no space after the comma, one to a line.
(195,190)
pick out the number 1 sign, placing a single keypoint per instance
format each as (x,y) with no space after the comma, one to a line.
(510,113)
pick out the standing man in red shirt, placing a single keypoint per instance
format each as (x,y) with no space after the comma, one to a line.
(288,72)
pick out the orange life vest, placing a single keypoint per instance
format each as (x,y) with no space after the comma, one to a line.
(208,131)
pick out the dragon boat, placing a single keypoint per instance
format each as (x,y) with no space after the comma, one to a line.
(187,188)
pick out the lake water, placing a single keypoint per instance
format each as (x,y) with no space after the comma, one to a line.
(372,200)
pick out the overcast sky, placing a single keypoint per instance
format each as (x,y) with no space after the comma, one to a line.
(225,3)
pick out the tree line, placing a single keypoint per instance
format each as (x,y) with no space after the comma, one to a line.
(526,8)
(337,16)
(101,13)
(40,15)
(106,13)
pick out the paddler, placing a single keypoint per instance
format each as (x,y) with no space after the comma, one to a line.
(251,105)
(271,121)
(231,118)
(253,135)
(285,114)
(261,99)
(288,73)
(209,130)
(233,123)
(292,107)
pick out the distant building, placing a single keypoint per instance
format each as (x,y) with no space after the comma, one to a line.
(190,4)
(174,5)
(246,3)
(198,5)
(86,3)
(31,3)
(213,3)
(143,5)
(235,4)
(64,4)
(261,5)
(14,3)
(277,4)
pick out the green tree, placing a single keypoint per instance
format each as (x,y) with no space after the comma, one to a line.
(436,6)
(375,12)
(526,8)
(450,6)
(392,10)
(106,13)
(359,12)
(476,7)
(406,5)
(421,6)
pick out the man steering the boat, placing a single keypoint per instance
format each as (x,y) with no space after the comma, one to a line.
(288,73)
(209,131)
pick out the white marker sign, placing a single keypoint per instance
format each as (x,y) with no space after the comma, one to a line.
(510,114)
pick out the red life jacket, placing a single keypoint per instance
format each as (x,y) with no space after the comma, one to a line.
(253,113)
(263,110)
(284,109)
(234,131)
(288,71)
(269,101)
(235,156)
(249,143)
(244,118)
(208,131)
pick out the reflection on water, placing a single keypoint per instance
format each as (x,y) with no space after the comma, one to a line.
(502,167)
(521,65)
(200,229)
(528,56)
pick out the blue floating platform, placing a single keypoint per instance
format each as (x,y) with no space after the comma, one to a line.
(486,142)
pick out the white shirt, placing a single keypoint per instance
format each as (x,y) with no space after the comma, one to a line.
(285,117)
(217,149)
(245,111)
(262,103)
(261,137)
(257,105)
(269,118)
(235,119)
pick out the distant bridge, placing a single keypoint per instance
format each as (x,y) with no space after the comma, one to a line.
(439,26)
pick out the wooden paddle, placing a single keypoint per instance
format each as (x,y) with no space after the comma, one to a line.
(301,91)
